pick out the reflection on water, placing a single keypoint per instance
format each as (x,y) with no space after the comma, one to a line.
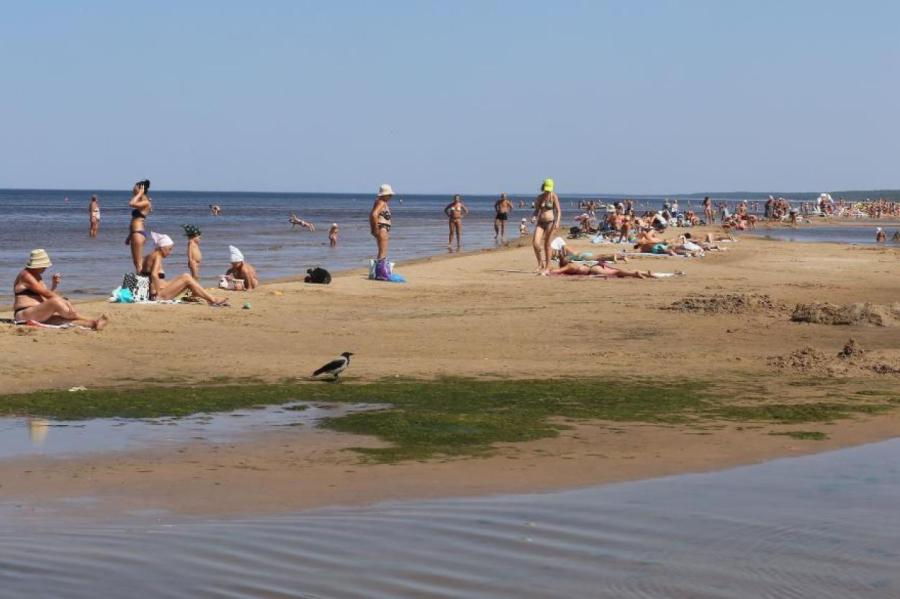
(27,436)
(821,526)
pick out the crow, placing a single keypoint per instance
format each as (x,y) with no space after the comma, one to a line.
(336,366)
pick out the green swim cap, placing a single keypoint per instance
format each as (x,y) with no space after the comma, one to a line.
(547,185)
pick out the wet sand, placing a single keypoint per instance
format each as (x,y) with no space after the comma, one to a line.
(478,315)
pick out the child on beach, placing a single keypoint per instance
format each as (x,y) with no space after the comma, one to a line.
(333,235)
(194,256)
(241,271)
(523,228)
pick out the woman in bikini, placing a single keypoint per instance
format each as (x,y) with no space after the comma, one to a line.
(567,267)
(708,211)
(380,220)
(141,207)
(161,289)
(34,302)
(455,212)
(548,215)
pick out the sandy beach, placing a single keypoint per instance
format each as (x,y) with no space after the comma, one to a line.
(479,315)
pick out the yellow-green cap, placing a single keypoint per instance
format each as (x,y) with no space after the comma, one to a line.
(547,185)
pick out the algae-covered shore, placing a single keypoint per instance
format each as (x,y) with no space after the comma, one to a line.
(492,379)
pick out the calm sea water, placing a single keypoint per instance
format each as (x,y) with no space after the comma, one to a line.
(256,223)
(857,233)
(824,526)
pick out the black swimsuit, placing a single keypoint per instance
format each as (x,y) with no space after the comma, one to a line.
(29,293)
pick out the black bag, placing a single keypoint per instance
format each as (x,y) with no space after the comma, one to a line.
(318,275)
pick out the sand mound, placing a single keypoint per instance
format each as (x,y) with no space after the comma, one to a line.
(727,303)
(852,360)
(848,314)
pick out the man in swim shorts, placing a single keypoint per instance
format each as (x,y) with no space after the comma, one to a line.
(502,208)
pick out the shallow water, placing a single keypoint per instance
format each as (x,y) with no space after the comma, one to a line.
(822,526)
(858,233)
(37,436)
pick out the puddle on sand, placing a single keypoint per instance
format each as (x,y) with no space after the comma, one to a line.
(822,526)
(37,436)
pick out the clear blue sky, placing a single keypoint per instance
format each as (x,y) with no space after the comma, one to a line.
(626,96)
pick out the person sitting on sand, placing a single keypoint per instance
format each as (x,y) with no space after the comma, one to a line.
(161,289)
(241,270)
(34,302)
(297,221)
(333,235)
(566,267)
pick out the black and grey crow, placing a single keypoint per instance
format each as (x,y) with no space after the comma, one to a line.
(336,366)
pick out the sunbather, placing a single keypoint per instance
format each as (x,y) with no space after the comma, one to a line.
(162,289)
(34,302)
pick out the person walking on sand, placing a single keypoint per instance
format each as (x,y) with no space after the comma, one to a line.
(455,212)
(708,213)
(502,208)
(94,213)
(547,215)
(141,207)
(333,235)
(380,220)
(162,289)
(34,302)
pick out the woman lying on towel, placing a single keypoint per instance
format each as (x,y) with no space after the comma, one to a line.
(567,267)
(161,289)
(34,302)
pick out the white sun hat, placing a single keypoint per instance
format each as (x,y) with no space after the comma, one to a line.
(385,190)
(558,243)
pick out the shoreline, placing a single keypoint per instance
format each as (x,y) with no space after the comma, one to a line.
(474,315)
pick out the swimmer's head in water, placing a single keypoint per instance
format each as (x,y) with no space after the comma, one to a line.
(547,185)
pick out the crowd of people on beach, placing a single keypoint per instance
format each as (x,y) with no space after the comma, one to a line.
(620,223)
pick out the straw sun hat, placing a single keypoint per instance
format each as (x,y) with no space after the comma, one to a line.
(39,259)
(385,190)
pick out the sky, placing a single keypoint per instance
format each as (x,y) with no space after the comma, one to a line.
(451,96)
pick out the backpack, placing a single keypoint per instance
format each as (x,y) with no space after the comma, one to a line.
(318,275)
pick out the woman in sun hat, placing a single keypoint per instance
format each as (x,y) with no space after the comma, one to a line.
(548,213)
(35,303)
(152,267)
(380,220)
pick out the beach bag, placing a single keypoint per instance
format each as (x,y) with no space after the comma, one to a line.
(380,270)
(318,275)
(138,285)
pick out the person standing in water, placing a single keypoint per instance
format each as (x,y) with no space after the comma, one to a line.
(455,212)
(141,207)
(380,220)
(708,213)
(880,235)
(94,212)
(548,216)
(333,235)
(194,255)
(502,208)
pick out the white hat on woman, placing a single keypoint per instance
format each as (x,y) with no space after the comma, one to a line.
(160,240)
(385,190)
(39,259)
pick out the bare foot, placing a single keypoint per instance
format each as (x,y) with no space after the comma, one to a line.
(101,322)
(219,302)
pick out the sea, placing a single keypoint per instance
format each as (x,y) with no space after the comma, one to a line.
(823,526)
(258,224)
